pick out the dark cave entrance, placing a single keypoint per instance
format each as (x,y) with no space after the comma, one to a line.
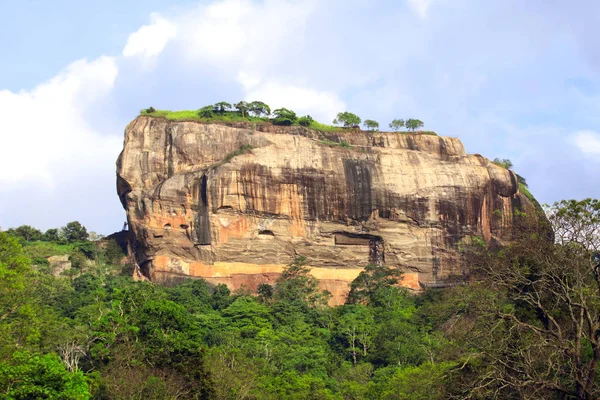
(375,243)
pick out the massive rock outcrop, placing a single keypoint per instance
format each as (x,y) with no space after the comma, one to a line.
(235,204)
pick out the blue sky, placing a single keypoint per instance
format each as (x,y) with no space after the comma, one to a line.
(511,78)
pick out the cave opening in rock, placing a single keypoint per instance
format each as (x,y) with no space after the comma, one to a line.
(266,232)
(374,242)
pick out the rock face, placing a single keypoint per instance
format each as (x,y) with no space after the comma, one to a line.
(235,204)
(59,264)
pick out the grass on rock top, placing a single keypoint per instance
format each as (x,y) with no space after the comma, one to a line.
(234,116)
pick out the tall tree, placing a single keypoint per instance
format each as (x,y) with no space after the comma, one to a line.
(414,124)
(296,283)
(221,107)
(74,232)
(242,108)
(397,124)
(347,119)
(371,125)
(258,108)
(372,280)
(537,331)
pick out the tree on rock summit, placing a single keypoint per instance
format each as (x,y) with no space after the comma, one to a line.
(347,119)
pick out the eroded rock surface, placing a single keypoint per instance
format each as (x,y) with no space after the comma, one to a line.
(199,203)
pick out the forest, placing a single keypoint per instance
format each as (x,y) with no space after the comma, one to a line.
(523,324)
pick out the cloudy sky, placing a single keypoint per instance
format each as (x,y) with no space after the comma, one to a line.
(513,79)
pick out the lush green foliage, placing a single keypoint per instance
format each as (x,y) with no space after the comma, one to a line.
(305,121)
(283,116)
(528,326)
(371,125)
(414,124)
(396,124)
(257,112)
(347,119)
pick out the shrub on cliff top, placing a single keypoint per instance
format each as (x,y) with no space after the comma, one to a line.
(206,112)
(283,116)
(305,121)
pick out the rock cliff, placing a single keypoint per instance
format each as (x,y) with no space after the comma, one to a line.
(235,203)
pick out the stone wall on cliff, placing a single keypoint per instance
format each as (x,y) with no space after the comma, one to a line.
(236,203)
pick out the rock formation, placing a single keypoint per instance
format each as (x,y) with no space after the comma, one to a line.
(236,203)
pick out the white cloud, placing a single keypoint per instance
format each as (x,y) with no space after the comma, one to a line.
(45,133)
(421,7)
(321,105)
(150,40)
(243,34)
(587,141)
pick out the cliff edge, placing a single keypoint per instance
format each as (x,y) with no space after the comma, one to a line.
(235,203)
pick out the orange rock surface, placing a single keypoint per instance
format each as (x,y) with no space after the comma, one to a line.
(199,206)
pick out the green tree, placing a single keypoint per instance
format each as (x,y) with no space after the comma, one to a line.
(371,125)
(283,116)
(541,314)
(31,376)
(206,111)
(74,232)
(51,235)
(221,107)
(414,124)
(242,108)
(347,119)
(25,232)
(297,284)
(397,124)
(370,282)
(357,326)
(258,108)
(113,252)
(504,163)
(15,285)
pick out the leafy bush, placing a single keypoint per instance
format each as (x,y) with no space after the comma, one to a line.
(305,121)
(283,116)
(206,111)
(150,110)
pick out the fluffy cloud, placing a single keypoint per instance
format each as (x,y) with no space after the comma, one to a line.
(47,127)
(150,40)
(588,142)
(321,105)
